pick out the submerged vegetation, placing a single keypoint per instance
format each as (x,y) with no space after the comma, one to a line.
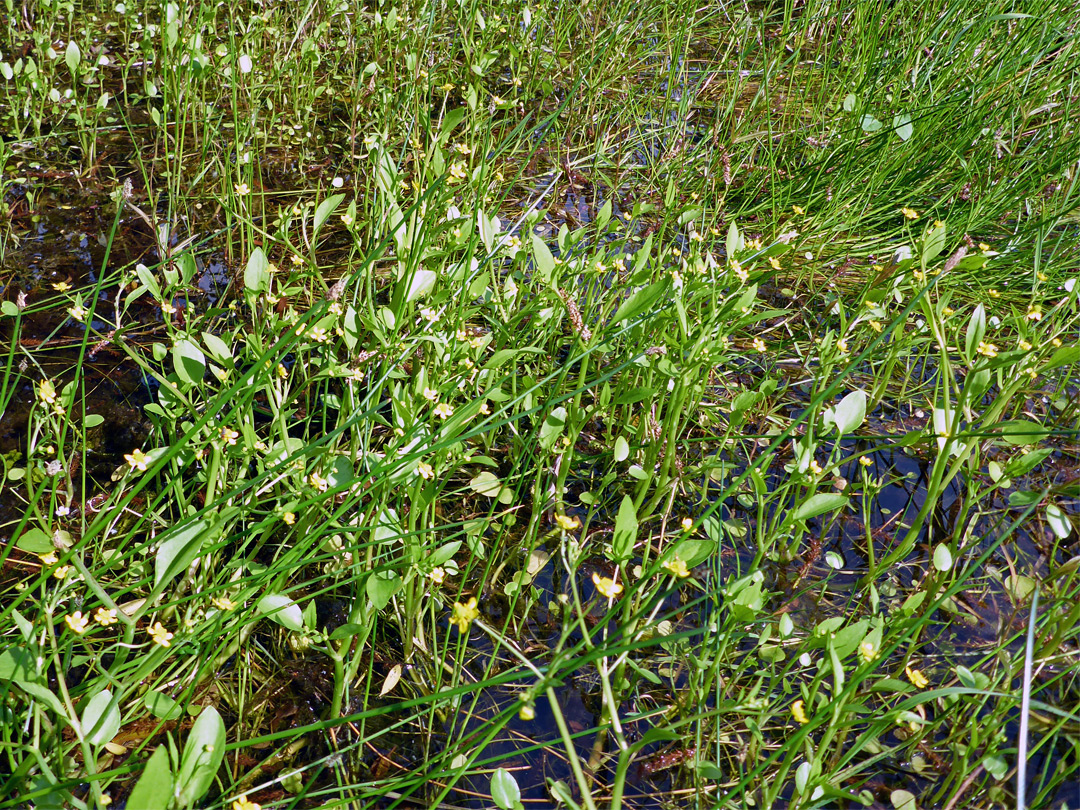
(596,404)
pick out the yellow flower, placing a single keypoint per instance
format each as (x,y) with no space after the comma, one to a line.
(229,436)
(876,326)
(347,219)
(798,711)
(431,394)
(774,263)
(798,209)
(759,345)
(160,635)
(77,312)
(318,482)
(281,371)
(437,575)
(867,652)
(457,171)
(687,524)
(463,615)
(242,189)
(527,712)
(296,259)
(676,567)
(607,587)
(48,558)
(77,622)
(566,523)
(137,460)
(244,803)
(446,88)
(223,602)
(987,349)
(61,286)
(1025,345)
(815,468)
(842,346)
(62,572)
(289,518)
(866,461)
(47,392)
(426,471)
(909,213)
(429,315)
(443,410)
(993,293)
(917,678)
(105,617)
(1034,313)
(485,409)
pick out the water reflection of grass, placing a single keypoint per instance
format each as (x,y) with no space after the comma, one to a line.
(605,405)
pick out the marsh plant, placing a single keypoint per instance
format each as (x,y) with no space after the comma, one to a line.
(592,405)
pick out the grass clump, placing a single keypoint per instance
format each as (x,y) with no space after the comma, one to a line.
(610,404)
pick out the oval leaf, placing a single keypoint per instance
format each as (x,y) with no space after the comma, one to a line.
(162,706)
(101,718)
(504,790)
(626,526)
(35,541)
(203,752)
(282,610)
(189,362)
(820,504)
(154,789)
(943,559)
(850,412)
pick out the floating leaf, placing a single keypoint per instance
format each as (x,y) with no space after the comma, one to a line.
(486,484)
(504,790)
(870,124)
(35,541)
(850,100)
(282,610)
(1022,432)
(1058,521)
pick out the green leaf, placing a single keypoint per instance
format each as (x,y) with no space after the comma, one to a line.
(694,550)
(976,330)
(73,56)
(850,412)
(1058,521)
(626,526)
(820,504)
(870,124)
(552,428)
(622,449)
(850,100)
(943,559)
(189,361)
(487,484)
(734,243)
(257,273)
(1066,355)
(933,243)
(9,308)
(92,420)
(162,706)
(902,126)
(420,284)
(640,301)
(504,790)
(381,587)
(1022,432)
(178,550)
(203,752)
(545,262)
(219,349)
(35,541)
(154,790)
(347,631)
(282,610)
(903,800)
(17,664)
(325,209)
(101,718)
